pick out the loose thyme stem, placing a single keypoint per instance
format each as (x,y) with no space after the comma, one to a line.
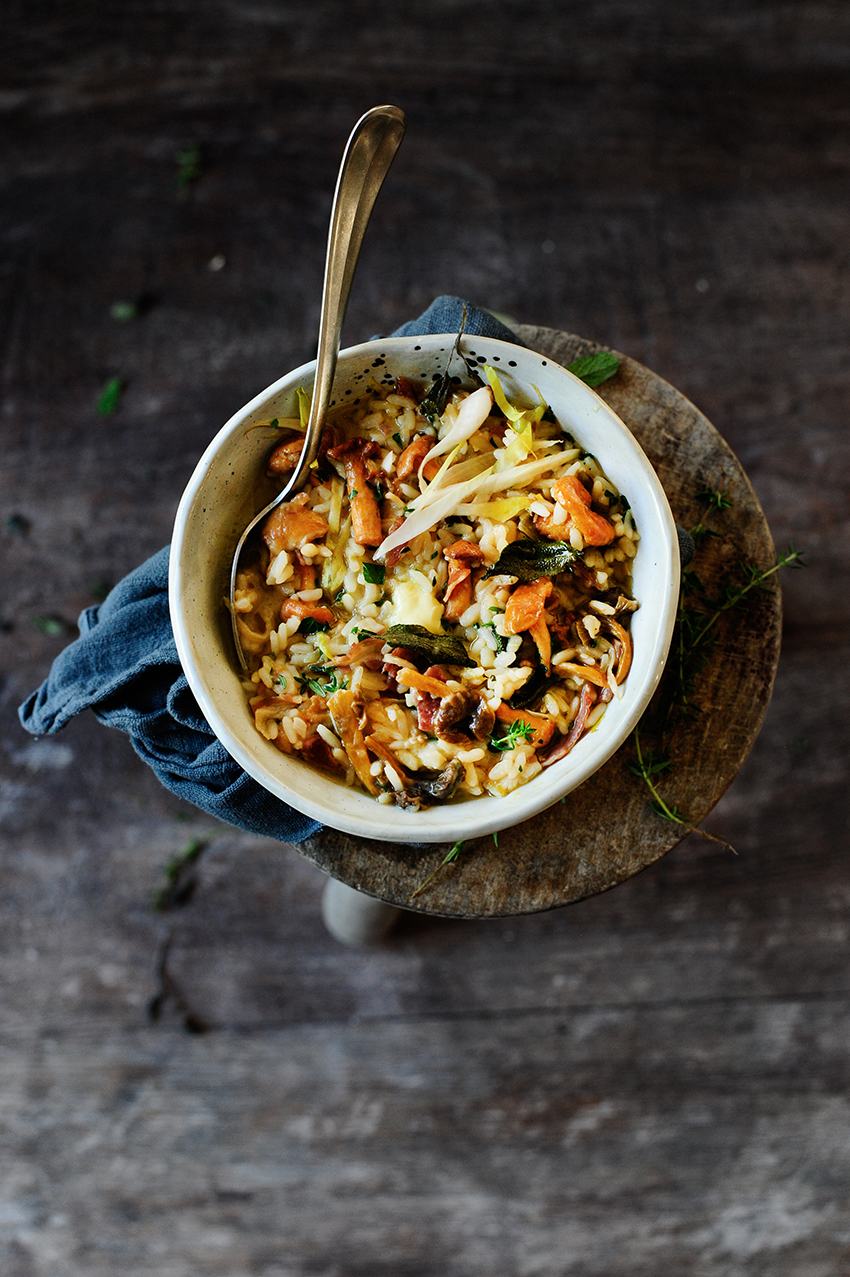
(688,649)
(447,860)
(791,559)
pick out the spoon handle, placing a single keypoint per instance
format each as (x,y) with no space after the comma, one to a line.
(368,155)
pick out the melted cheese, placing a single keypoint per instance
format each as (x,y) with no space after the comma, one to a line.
(413,603)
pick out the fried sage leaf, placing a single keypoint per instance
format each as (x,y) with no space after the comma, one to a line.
(434,404)
(440,649)
(526,559)
(533,689)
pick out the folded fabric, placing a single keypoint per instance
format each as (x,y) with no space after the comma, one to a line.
(125,667)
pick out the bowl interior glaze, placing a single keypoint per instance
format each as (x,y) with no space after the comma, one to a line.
(228,487)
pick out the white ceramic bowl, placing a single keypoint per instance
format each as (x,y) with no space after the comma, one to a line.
(229,486)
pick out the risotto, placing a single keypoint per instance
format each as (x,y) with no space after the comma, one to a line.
(444,610)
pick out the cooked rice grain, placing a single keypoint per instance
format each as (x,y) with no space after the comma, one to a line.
(294,677)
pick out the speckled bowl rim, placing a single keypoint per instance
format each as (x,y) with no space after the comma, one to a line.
(221,495)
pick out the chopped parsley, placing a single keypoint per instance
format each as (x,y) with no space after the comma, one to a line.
(51,625)
(110,396)
(124,311)
(333,683)
(501,641)
(189,163)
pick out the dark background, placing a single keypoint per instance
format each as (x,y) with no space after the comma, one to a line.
(654,1081)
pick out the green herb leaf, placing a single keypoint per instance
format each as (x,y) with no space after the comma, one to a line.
(438,648)
(124,311)
(110,396)
(594,369)
(189,162)
(532,689)
(178,883)
(694,641)
(527,559)
(374,573)
(501,641)
(615,501)
(516,733)
(311,626)
(51,625)
(333,684)
(454,853)
(450,856)
(716,500)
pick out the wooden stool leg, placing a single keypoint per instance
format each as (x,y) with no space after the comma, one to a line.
(354,918)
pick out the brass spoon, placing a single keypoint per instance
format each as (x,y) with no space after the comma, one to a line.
(368,155)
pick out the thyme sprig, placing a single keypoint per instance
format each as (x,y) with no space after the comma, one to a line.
(317,688)
(694,641)
(756,578)
(649,765)
(518,732)
(450,856)
(717,503)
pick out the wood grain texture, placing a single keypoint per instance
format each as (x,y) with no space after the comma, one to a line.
(652,1082)
(606,831)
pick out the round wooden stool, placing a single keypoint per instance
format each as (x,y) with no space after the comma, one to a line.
(605,831)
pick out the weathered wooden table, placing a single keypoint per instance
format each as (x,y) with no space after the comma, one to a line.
(607,830)
(654,1082)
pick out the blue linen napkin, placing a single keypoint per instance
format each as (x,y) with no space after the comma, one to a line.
(125,667)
